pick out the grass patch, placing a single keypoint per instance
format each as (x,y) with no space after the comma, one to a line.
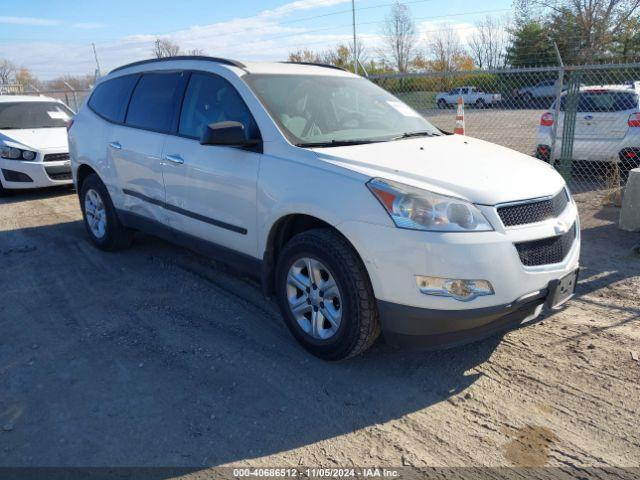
(418,100)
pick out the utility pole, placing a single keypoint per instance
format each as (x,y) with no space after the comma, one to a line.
(355,41)
(95,54)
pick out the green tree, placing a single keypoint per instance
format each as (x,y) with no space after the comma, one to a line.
(531,46)
(586,30)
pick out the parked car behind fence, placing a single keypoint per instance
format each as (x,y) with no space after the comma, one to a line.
(470,95)
(607,127)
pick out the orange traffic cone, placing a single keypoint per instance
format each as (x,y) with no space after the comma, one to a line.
(460,117)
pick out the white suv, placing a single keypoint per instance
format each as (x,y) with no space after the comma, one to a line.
(352,209)
(33,142)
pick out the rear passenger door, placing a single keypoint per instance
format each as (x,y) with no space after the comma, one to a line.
(211,190)
(136,147)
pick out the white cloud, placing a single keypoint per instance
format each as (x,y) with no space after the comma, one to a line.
(88,25)
(28,21)
(264,36)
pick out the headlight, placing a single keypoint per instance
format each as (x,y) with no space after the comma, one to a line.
(417,209)
(12,153)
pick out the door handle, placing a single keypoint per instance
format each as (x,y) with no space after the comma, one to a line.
(175,159)
(115,145)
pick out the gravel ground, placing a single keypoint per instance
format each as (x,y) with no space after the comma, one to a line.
(158,357)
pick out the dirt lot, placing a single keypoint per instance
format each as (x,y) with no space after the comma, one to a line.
(156,356)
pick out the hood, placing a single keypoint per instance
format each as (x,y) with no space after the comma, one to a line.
(38,138)
(478,171)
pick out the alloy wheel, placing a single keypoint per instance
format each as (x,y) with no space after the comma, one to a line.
(314,298)
(95,213)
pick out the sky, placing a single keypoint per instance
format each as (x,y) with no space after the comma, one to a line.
(54,38)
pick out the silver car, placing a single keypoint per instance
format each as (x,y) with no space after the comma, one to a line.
(607,126)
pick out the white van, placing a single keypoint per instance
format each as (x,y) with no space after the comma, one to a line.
(33,142)
(354,211)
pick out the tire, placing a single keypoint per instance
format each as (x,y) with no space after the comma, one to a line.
(528,99)
(3,191)
(114,235)
(359,325)
(442,104)
(480,103)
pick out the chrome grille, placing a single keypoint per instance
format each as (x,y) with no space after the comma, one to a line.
(547,250)
(535,211)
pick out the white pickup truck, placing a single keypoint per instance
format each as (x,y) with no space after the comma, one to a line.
(470,95)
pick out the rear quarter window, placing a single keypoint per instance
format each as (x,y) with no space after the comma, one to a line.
(110,98)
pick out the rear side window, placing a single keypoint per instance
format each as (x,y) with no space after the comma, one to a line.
(110,98)
(155,100)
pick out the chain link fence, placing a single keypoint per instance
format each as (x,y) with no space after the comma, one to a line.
(72,97)
(582,119)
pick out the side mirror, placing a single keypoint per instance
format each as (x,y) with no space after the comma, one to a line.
(230,134)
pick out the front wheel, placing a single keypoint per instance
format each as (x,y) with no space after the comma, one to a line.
(3,191)
(100,217)
(442,104)
(325,295)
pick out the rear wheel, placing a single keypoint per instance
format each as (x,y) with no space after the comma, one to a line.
(442,104)
(325,295)
(480,103)
(100,217)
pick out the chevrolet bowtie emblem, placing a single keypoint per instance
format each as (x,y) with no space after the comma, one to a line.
(561,227)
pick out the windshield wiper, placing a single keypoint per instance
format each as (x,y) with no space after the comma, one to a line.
(423,133)
(337,143)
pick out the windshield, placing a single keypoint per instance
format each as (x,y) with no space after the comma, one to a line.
(314,109)
(17,115)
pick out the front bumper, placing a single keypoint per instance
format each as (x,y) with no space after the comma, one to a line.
(17,174)
(394,258)
(440,329)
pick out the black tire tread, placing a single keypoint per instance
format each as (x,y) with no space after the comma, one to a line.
(360,290)
(118,237)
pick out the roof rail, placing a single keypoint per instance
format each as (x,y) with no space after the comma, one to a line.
(224,61)
(324,65)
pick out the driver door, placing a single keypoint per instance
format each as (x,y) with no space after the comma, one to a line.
(211,190)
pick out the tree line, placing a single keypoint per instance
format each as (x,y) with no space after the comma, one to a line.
(584,31)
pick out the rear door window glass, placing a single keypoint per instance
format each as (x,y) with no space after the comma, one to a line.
(155,101)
